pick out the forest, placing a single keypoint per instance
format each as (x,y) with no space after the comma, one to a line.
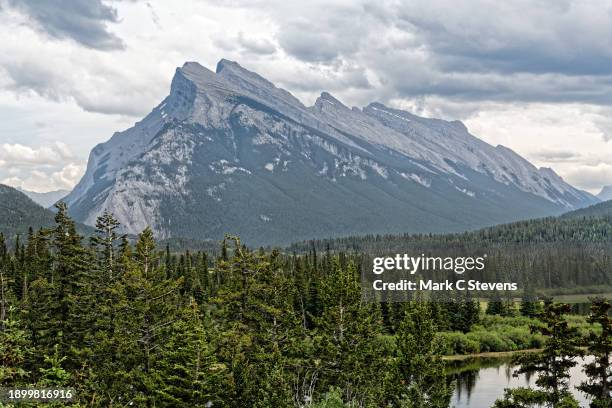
(565,254)
(125,322)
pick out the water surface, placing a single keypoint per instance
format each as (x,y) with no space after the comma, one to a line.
(479,382)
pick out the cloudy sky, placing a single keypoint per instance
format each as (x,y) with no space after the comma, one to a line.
(533,75)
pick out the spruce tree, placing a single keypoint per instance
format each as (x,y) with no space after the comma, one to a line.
(599,372)
(72,263)
(254,308)
(105,242)
(420,368)
(552,365)
(150,304)
(15,350)
(529,301)
(495,305)
(347,348)
(187,373)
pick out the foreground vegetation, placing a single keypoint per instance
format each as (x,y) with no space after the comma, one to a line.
(127,324)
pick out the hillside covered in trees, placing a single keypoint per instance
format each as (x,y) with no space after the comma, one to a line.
(590,224)
(570,251)
(18,213)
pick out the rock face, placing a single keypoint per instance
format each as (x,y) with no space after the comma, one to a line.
(228,152)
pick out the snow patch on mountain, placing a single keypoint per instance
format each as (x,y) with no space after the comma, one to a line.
(416,178)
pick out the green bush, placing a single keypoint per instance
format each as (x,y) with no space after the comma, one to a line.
(458,343)
(332,399)
(499,333)
(491,341)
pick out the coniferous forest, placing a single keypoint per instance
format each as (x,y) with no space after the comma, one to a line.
(125,322)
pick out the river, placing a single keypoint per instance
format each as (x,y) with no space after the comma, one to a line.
(480,381)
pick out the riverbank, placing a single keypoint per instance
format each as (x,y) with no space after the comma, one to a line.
(500,334)
(490,354)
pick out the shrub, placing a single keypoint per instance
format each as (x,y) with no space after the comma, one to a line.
(491,341)
(458,343)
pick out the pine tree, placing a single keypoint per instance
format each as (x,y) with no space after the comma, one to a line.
(105,241)
(54,375)
(187,374)
(149,305)
(599,371)
(471,308)
(495,305)
(347,348)
(420,368)
(529,301)
(552,365)
(15,349)
(254,306)
(72,263)
(204,290)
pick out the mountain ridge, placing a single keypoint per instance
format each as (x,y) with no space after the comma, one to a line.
(46,199)
(231,142)
(18,212)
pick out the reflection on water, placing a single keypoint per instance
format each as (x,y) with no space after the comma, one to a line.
(479,382)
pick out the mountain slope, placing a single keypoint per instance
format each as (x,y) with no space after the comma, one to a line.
(47,199)
(575,230)
(605,194)
(228,152)
(18,212)
(600,210)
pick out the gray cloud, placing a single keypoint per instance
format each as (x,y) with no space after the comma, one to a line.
(604,124)
(591,177)
(256,45)
(551,155)
(244,44)
(84,21)
(51,82)
(322,34)
(476,50)
(154,16)
(567,37)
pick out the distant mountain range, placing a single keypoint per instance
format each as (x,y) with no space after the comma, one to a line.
(47,199)
(605,194)
(229,152)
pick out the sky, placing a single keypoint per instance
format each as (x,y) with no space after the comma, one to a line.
(532,75)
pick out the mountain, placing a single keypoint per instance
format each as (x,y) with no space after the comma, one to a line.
(605,194)
(601,210)
(229,152)
(47,199)
(18,212)
(579,233)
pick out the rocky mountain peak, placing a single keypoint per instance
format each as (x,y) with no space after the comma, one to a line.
(194,71)
(223,136)
(326,101)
